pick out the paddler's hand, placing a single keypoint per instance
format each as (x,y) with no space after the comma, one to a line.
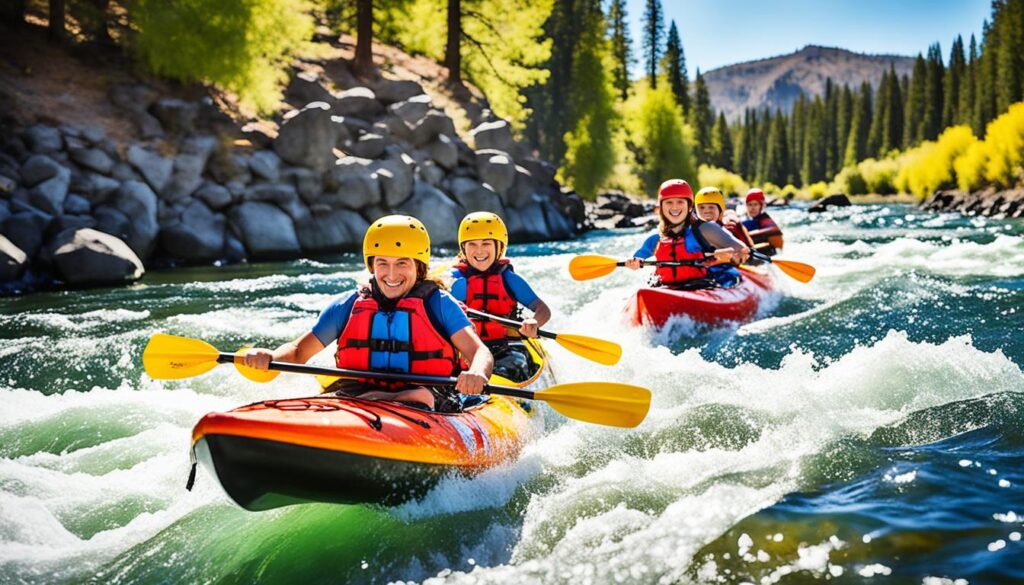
(470,383)
(529,328)
(634,263)
(258,358)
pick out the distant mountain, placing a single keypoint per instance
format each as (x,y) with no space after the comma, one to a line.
(776,82)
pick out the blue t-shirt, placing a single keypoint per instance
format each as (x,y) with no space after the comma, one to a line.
(514,284)
(333,319)
(647,249)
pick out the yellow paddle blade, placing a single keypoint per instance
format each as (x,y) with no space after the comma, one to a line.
(592,348)
(326,381)
(169,357)
(602,403)
(590,266)
(797,270)
(254,374)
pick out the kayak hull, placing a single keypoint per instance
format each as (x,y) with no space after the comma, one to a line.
(654,306)
(340,449)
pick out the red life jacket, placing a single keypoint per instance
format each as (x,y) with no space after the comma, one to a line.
(384,335)
(677,247)
(740,232)
(486,291)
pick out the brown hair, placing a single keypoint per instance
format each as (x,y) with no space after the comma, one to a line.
(664,225)
(423,273)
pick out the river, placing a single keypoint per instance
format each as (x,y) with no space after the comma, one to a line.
(868,425)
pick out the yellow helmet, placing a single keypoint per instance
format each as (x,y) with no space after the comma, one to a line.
(710,195)
(401,236)
(483,225)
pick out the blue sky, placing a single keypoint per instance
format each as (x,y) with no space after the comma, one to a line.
(722,32)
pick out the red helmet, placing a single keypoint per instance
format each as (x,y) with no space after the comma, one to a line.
(675,189)
(755,195)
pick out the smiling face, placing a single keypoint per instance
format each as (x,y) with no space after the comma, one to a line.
(675,210)
(754,208)
(395,276)
(480,253)
(709,211)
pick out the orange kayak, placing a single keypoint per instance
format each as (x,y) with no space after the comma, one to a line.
(330,448)
(656,305)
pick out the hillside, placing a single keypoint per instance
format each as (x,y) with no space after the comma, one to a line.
(776,82)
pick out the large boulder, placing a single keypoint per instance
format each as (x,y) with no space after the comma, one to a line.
(266,230)
(838,200)
(138,202)
(77,205)
(112,221)
(187,177)
(266,165)
(155,169)
(93,159)
(353,183)
(520,194)
(439,214)
(50,194)
(308,138)
(413,109)
(213,195)
(196,236)
(369,145)
(7,185)
(307,183)
(396,175)
(338,231)
(13,261)
(90,257)
(26,228)
(358,101)
(176,116)
(226,166)
(495,135)
(495,168)
(433,124)
(560,226)
(389,91)
(279,193)
(306,88)
(443,151)
(542,171)
(473,196)
(528,223)
(37,169)
(44,139)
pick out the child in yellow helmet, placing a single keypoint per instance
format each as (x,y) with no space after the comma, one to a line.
(399,322)
(711,207)
(484,280)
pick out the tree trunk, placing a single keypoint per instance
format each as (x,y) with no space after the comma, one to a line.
(101,33)
(452,54)
(56,30)
(364,37)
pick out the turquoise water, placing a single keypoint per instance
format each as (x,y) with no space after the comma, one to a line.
(867,426)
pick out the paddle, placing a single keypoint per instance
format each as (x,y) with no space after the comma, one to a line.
(796,270)
(591,266)
(592,348)
(169,357)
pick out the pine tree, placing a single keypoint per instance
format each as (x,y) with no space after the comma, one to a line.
(745,145)
(675,69)
(829,124)
(618,30)
(549,103)
(813,167)
(703,119)
(915,104)
(761,145)
(985,98)
(797,130)
(931,121)
(844,120)
(969,88)
(953,84)
(876,129)
(892,125)
(857,143)
(1008,17)
(721,144)
(777,159)
(654,29)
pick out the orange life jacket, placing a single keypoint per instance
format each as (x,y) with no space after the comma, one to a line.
(384,335)
(486,291)
(679,247)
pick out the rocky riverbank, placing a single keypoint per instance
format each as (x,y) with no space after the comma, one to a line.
(192,187)
(991,203)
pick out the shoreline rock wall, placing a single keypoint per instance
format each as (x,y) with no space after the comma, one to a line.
(78,209)
(990,203)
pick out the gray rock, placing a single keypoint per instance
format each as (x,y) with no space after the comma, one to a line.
(187,177)
(266,231)
(443,151)
(26,228)
(543,172)
(413,109)
(77,205)
(133,97)
(396,127)
(137,201)
(236,189)
(5,211)
(213,195)
(200,145)
(7,185)
(234,249)
(439,214)
(70,131)
(306,88)
(112,221)
(94,135)
(148,126)
(522,190)
(13,261)
(50,194)
(43,139)
(531,226)
(37,169)
(389,91)
(279,193)
(64,222)
(369,145)
(96,188)
(493,135)
(354,126)
(257,137)
(307,183)
(358,101)
(155,169)
(90,257)
(560,227)
(338,231)
(176,116)
(93,159)
(124,172)
(839,200)
(265,165)
(9,167)
(353,183)
(197,235)
(308,138)
(495,168)
(226,166)
(396,175)
(433,124)
(430,172)
(473,196)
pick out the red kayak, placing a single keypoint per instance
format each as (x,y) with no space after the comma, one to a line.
(654,305)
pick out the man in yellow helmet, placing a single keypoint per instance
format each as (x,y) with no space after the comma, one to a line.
(484,280)
(399,322)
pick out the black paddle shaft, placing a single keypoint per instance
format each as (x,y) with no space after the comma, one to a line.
(669,263)
(228,358)
(506,322)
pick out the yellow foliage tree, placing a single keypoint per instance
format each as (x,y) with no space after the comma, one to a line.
(730,183)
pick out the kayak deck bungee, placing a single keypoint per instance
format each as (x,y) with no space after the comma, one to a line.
(656,305)
(340,449)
